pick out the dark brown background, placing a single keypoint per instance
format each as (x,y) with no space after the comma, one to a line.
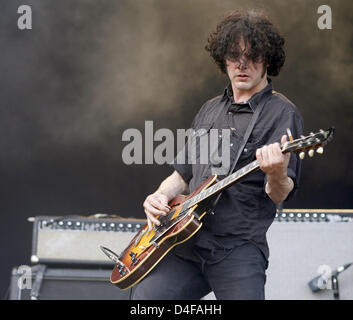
(90,69)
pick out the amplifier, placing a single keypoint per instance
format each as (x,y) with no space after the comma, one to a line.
(305,243)
(76,240)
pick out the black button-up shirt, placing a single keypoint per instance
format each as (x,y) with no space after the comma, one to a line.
(244,211)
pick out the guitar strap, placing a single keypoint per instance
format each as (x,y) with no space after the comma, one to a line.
(248,131)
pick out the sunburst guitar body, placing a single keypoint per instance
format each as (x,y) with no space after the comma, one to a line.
(148,247)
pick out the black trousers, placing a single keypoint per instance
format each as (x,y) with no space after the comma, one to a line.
(239,276)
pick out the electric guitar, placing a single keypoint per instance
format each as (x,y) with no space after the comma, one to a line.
(184,219)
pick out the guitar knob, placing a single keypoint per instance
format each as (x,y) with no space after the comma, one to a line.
(320,150)
(311,153)
(302,155)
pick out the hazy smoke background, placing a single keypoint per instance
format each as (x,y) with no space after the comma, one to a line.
(90,69)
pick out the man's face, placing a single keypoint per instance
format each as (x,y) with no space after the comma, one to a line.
(246,75)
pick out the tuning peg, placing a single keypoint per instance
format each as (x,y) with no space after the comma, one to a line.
(311,153)
(302,155)
(320,150)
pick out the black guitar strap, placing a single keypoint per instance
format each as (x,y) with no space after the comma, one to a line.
(245,140)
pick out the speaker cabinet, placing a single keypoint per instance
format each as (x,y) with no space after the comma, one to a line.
(66,284)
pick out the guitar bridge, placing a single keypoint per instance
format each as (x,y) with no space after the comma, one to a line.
(155,244)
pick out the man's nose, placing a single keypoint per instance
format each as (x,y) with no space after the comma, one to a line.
(242,63)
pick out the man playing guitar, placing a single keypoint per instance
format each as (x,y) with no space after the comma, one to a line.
(229,254)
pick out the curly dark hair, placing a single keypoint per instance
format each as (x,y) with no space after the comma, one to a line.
(261,38)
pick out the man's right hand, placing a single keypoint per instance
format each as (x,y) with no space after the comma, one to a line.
(156,204)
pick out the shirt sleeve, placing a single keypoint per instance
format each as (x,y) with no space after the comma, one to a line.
(184,169)
(181,162)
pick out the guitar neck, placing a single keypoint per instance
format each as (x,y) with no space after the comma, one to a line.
(223,184)
(300,145)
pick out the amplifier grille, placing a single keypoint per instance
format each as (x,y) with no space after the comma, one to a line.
(78,240)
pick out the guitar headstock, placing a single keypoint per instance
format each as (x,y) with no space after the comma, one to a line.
(310,143)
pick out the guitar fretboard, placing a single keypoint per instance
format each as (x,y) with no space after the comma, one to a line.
(219,186)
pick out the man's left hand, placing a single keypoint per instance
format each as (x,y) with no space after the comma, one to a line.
(272,161)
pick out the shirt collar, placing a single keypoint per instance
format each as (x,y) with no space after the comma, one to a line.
(255,98)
